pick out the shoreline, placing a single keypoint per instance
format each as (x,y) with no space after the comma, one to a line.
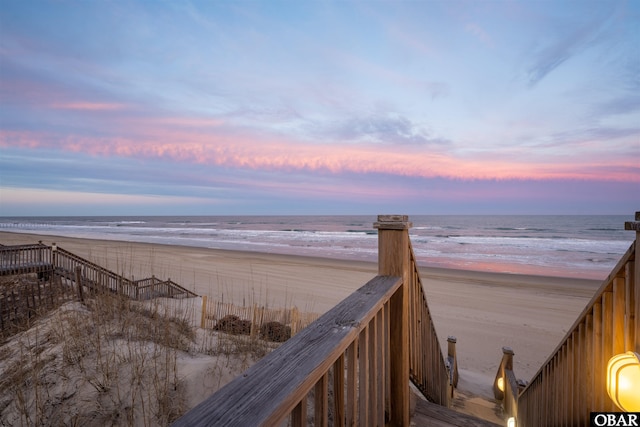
(435,270)
(483,310)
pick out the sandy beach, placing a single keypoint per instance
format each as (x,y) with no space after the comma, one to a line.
(484,311)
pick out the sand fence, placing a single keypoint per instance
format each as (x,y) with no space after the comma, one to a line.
(252,320)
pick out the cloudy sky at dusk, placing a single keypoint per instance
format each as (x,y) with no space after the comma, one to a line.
(319,107)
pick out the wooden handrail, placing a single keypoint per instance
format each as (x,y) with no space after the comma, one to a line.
(42,258)
(571,382)
(362,353)
(430,372)
(277,385)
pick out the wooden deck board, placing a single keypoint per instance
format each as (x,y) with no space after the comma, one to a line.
(432,414)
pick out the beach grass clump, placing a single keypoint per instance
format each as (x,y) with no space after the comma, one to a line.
(109,361)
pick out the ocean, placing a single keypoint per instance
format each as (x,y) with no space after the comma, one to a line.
(586,246)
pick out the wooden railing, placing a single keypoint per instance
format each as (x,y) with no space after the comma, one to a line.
(25,258)
(353,365)
(571,383)
(430,372)
(93,276)
(40,258)
(97,277)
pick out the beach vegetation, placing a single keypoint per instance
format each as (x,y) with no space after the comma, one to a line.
(111,360)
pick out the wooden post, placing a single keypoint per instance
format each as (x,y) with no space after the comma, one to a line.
(79,283)
(203,315)
(451,355)
(393,260)
(635,226)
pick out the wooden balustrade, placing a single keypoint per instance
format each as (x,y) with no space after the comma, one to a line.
(343,354)
(353,365)
(25,259)
(430,372)
(571,383)
(40,258)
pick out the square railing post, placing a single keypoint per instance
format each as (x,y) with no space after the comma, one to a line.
(394,260)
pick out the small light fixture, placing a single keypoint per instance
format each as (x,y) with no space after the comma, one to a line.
(500,384)
(623,381)
(511,422)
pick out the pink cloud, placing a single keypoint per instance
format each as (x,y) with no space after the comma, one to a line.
(88,106)
(270,153)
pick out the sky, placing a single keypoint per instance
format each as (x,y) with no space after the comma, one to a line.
(126,107)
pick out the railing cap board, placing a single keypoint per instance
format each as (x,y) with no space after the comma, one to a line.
(632,225)
(393,222)
(269,390)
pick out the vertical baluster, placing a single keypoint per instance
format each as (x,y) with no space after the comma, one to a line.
(321,395)
(607,341)
(338,392)
(630,313)
(380,366)
(363,376)
(299,414)
(598,364)
(351,383)
(588,368)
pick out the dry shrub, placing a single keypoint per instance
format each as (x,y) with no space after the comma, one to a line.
(275,331)
(233,325)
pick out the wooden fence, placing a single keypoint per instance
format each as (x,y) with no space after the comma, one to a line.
(24,300)
(571,383)
(353,365)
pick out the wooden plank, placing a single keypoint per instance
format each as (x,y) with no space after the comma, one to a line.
(299,414)
(270,389)
(630,309)
(588,364)
(320,406)
(380,365)
(618,315)
(598,365)
(352,384)
(338,392)
(373,371)
(580,392)
(432,414)
(363,377)
(607,341)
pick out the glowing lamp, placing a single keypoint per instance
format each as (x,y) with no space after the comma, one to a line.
(500,384)
(623,381)
(511,422)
